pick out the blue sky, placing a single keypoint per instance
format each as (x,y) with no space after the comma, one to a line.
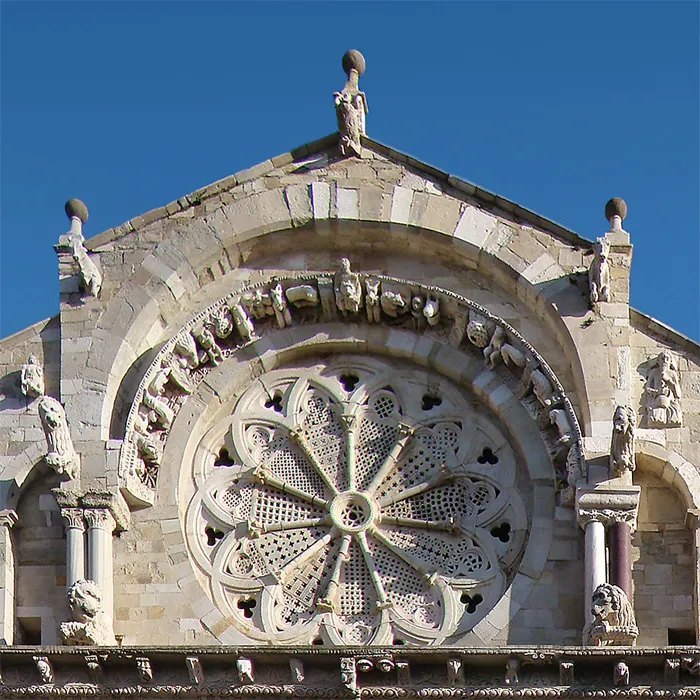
(557,106)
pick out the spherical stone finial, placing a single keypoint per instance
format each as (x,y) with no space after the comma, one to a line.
(353,59)
(615,207)
(76,207)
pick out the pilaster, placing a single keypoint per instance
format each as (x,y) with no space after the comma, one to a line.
(8,519)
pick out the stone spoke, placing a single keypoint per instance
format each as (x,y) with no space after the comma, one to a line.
(298,437)
(257,529)
(442,476)
(350,423)
(397,551)
(383,601)
(263,476)
(448,526)
(312,551)
(404,434)
(328,601)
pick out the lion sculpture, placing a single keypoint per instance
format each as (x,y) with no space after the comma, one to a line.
(613,622)
(61,456)
(91,626)
(622,443)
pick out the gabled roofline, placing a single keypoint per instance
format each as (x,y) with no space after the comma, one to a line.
(489,199)
(646,322)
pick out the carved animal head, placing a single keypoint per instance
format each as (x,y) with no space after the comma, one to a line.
(223,322)
(478,330)
(51,413)
(624,420)
(610,604)
(601,250)
(84,600)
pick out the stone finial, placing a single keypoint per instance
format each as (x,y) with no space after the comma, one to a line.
(76,208)
(351,105)
(615,212)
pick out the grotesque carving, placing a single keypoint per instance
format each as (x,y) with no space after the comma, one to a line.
(364,665)
(559,418)
(92,625)
(599,273)
(431,310)
(223,322)
(149,449)
(245,326)
(613,621)
(419,320)
(512,668)
(194,670)
(372,293)
(279,306)
(94,667)
(662,393)
(347,288)
(566,673)
(622,443)
(394,300)
(61,456)
(210,350)
(143,666)
(348,674)
(159,411)
(455,671)
(43,665)
(176,368)
(244,667)
(186,348)
(302,295)
(534,379)
(296,666)
(500,350)
(32,378)
(385,664)
(403,673)
(258,304)
(351,106)
(90,277)
(621,674)
(478,329)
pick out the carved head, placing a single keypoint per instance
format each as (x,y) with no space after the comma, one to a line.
(344,266)
(51,412)
(601,250)
(624,420)
(477,330)
(666,362)
(84,600)
(223,322)
(610,604)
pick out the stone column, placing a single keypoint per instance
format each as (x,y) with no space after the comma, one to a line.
(101,524)
(75,544)
(692,522)
(8,518)
(620,536)
(594,562)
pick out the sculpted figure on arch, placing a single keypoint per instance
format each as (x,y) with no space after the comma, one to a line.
(662,393)
(622,443)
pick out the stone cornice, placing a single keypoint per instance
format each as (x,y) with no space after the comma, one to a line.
(608,504)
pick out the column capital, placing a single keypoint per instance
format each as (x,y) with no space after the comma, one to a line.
(8,518)
(74,517)
(607,504)
(100,518)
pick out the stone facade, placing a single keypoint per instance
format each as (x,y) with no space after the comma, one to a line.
(344,399)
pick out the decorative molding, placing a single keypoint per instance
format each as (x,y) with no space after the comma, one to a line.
(331,297)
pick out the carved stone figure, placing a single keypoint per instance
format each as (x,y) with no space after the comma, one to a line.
(385,664)
(244,325)
(478,329)
(364,665)
(662,393)
(500,350)
(209,347)
(534,379)
(149,449)
(394,300)
(622,443)
(223,322)
(419,320)
(621,674)
(244,668)
(613,621)
(351,106)
(194,670)
(153,399)
(95,669)
(32,378)
(599,273)
(186,348)
(566,673)
(372,295)
(296,666)
(431,310)
(348,674)
(279,306)
(302,295)
(91,624)
(61,456)
(178,376)
(90,277)
(258,304)
(512,668)
(43,665)
(455,671)
(347,288)
(143,666)
(403,673)
(559,418)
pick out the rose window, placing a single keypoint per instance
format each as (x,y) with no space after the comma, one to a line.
(355,506)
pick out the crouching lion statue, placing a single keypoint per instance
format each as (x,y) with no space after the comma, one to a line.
(613,622)
(92,626)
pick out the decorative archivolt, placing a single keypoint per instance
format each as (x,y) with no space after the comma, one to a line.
(243,316)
